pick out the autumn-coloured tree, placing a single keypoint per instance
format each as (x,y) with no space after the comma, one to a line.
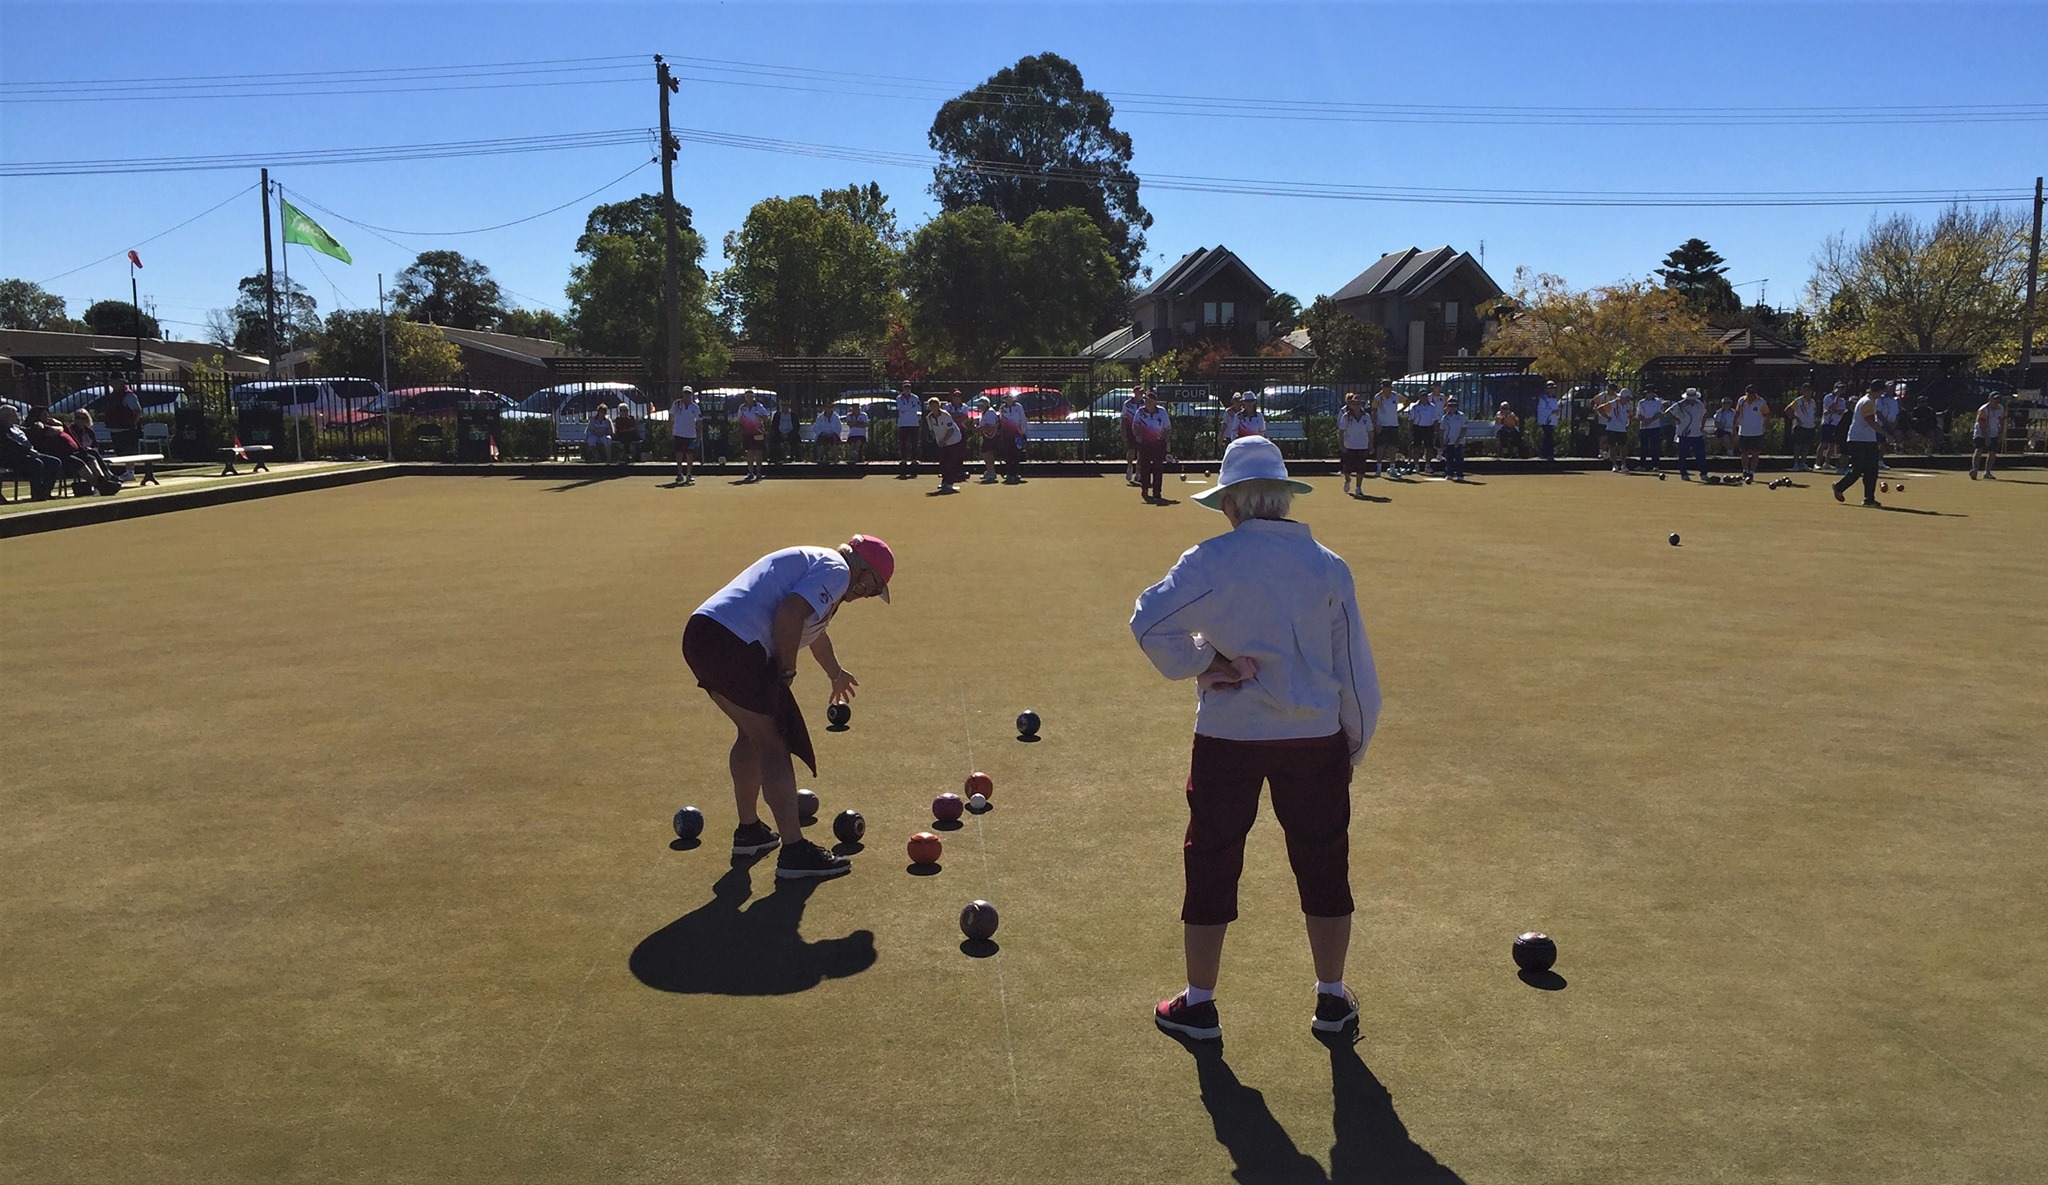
(1610,330)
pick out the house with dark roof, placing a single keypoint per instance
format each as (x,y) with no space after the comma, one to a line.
(1427,302)
(1209,295)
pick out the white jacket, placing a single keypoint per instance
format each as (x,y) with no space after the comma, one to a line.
(1270,591)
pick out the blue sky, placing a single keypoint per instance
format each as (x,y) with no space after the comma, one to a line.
(1519,57)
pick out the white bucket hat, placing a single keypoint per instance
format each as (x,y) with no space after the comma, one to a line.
(1250,458)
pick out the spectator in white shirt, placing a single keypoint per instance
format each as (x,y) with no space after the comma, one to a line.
(1888,413)
(1867,429)
(1650,431)
(1423,417)
(1013,427)
(1613,410)
(597,435)
(1153,429)
(857,435)
(1751,414)
(1386,429)
(1799,419)
(1355,434)
(909,418)
(988,427)
(1452,430)
(1987,437)
(1834,420)
(1689,417)
(1724,427)
(1266,621)
(1546,422)
(1245,419)
(825,433)
(1128,408)
(682,431)
(951,442)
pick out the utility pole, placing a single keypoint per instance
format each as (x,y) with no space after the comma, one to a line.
(671,299)
(384,361)
(2033,271)
(269,278)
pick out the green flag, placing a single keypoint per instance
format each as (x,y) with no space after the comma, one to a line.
(300,229)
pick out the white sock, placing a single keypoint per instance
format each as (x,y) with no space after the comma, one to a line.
(1329,989)
(1200,995)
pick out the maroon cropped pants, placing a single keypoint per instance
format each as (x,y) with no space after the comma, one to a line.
(1311,780)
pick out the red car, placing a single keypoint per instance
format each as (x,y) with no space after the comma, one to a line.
(431,403)
(1040,403)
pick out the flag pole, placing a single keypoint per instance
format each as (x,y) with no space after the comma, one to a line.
(384,360)
(269,276)
(135,298)
(284,252)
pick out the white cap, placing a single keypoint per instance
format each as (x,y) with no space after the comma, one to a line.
(1250,458)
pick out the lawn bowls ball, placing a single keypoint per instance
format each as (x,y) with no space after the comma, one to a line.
(1027,723)
(806,804)
(1535,952)
(947,807)
(849,826)
(925,848)
(1674,538)
(689,823)
(978,921)
(980,783)
(977,803)
(837,715)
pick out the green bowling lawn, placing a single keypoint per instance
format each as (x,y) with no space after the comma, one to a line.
(334,846)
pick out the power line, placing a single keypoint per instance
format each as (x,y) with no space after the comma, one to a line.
(153,238)
(399,70)
(449,149)
(426,234)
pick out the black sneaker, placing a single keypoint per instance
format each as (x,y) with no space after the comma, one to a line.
(752,839)
(804,859)
(1197,1021)
(1334,1014)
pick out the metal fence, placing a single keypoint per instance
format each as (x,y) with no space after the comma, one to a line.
(337,418)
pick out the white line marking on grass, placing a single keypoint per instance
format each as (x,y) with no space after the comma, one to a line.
(576,997)
(987,880)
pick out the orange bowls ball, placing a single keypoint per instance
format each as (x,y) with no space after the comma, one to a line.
(924,848)
(980,783)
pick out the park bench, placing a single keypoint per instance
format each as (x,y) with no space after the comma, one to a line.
(252,453)
(1058,432)
(131,460)
(1285,430)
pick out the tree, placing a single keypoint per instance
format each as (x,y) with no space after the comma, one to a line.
(615,294)
(545,324)
(1609,331)
(25,305)
(869,206)
(1284,311)
(116,318)
(978,288)
(1347,349)
(347,345)
(298,315)
(1033,138)
(807,278)
(1694,271)
(448,288)
(1957,285)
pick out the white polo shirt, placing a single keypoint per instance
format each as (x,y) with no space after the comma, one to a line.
(747,605)
(856,424)
(1454,425)
(1650,412)
(1688,416)
(1859,428)
(827,424)
(1990,419)
(1749,416)
(1356,430)
(1802,411)
(1426,413)
(909,410)
(682,420)
(1386,410)
(1151,427)
(1546,410)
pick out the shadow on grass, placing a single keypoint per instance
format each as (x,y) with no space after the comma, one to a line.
(1549,981)
(1372,1143)
(720,949)
(1911,510)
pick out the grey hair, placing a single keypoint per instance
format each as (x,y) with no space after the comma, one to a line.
(1259,498)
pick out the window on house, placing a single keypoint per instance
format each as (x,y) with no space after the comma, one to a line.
(1229,313)
(1450,314)
(1208,312)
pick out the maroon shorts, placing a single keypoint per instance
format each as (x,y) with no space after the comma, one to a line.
(685,445)
(740,672)
(1355,460)
(1311,780)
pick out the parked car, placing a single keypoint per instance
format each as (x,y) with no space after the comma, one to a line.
(1479,396)
(1179,399)
(157,399)
(435,403)
(727,399)
(332,400)
(1294,402)
(1040,403)
(575,401)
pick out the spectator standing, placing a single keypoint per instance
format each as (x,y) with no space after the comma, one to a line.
(1128,408)
(1354,437)
(1266,621)
(1613,410)
(1248,421)
(20,454)
(1724,427)
(682,429)
(1800,415)
(597,435)
(1546,422)
(1888,413)
(1866,430)
(857,435)
(1424,415)
(1386,430)
(1987,437)
(909,416)
(1834,420)
(1013,427)
(1650,430)
(951,442)
(1689,418)
(1153,429)
(124,424)
(1752,413)
(784,440)
(1452,430)
(753,417)
(988,428)
(825,432)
